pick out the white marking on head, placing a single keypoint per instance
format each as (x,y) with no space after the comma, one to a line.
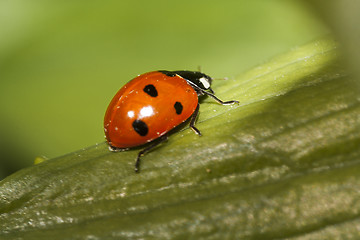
(205,82)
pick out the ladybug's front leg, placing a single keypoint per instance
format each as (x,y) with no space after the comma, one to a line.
(211,94)
(218,100)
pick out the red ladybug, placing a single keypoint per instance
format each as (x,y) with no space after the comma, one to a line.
(150,105)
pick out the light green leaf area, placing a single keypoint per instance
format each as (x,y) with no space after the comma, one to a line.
(282,164)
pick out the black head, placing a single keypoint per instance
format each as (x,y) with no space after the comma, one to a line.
(198,79)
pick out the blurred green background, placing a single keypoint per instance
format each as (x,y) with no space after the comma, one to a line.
(61,62)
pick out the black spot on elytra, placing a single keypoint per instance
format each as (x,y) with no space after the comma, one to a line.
(178,108)
(140,127)
(151,90)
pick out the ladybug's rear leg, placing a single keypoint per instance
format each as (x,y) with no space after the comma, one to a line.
(193,119)
(147,149)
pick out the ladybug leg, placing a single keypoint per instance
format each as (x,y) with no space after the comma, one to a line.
(193,119)
(218,100)
(211,94)
(210,90)
(147,149)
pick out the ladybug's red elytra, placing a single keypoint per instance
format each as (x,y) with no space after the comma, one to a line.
(149,106)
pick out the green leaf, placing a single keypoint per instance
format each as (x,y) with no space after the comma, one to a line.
(284,163)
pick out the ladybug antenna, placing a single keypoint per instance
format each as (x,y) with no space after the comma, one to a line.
(199,68)
(223,78)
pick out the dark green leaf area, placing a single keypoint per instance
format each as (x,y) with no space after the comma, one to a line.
(282,164)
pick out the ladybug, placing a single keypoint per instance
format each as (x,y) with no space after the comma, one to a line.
(149,106)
